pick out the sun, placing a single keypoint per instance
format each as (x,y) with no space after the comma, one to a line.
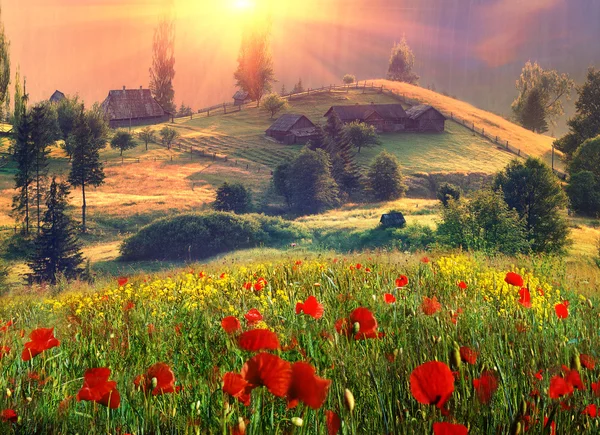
(243,5)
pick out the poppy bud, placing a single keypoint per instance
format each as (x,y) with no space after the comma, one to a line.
(455,358)
(241,425)
(349,397)
(575,362)
(590,304)
(297,421)
(356,327)
(8,392)
(517,428)
(154,383)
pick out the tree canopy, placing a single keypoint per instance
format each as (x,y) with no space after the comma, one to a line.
(123,140)
(401,64)
(162,71)
(361,135)
(273,104)
(384,179)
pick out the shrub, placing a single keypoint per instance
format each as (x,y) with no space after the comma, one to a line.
(448,191)
(348,79)
(273,103)
(198,236)
(384,179)
(584,193)
(233,197)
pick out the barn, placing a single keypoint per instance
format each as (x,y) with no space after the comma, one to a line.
(291,128)
(424,118)
(384,117)
(241,97)
(56,97)
(132,107)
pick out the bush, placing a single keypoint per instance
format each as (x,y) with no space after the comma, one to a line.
(273,103)
(233,197)
(348,79)
(584,193)
(448,191)
(198,236)
(384,179)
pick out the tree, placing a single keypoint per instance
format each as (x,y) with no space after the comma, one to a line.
(587,157)
(402,61)
(584,193)
(447,192)
(334,128)
(344,169)
(312,189)
(233,197)
(255,73)
(384,179)
(533,113)
(67,110)
(283,91)
(168,136)
(298,87)
(586,123)
(273,103)
(86,167)
(485,223)
(551,87)
(57,250)
(184,110)
(147,135)
(123,140)
(349,79)
(534,192)
(281,182)
(4,66)
(361,135)
(20,101)
(24,157)
(162,71)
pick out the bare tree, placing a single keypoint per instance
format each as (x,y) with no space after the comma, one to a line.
(162,71)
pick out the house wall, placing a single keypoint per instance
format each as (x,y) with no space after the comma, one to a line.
(126,123)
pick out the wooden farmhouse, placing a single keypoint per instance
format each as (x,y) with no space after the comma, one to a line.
(56,97)
(291,129)
(384,117)
(241,97)
(132,107)
(425,118)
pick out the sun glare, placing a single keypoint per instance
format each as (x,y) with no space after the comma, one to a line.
(243,5)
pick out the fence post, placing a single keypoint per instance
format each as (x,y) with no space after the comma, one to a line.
(208,113)
(519,154)
(506,144)
(224,109)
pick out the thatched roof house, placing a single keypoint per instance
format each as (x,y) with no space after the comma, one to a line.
(132,107)
(425,118)
(384,117)
(241,97)
(291,128)
(56,97)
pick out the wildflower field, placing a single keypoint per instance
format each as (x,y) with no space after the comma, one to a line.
(446,345)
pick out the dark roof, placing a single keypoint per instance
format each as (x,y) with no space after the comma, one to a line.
(286,122)
(131,104)
(394,112)
(240,95)
(416,112)
(56,96)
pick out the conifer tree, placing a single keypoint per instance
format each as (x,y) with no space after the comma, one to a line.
(57,250)
(24,156)
(344,169)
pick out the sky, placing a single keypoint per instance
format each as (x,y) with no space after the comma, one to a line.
(473,49)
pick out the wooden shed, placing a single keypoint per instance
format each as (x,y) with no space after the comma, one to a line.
(241,97)
(291,128)
(133,107)
(56,97)
(392,220)
(424,118)
(384,117)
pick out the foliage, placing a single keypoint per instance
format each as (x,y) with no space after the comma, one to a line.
(233,197)
(586,123)
(587,157)
(24,157)
(20,101)
(298,87)
(57,250)
(280,182)
(4,270)
(535,193)
(147,135)
(401,64)
(184,110)
(384,179)
(4,66)
(123,140)
(168,135)
(199,236)
(273,103)
(344,168)
(162,71)
(584,193)
(348,79)
(484,223)
(361,135)
(549,87)
(254,73)
(67,110)
(448,191)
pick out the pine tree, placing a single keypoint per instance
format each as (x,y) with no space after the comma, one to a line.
(4,67)
(334,129)
(57,250)
(24,156)
(344,169)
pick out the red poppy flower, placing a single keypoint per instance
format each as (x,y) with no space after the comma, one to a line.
(538,375)
(485,386)
(562,310)
(128,306)
(268,370)
(591,410)
(462,285)
(389,298)
(158,379)
(425,260)
(122,281)
(231,324)
(9,416)
(7,325)
(333,422)
(449,429)
(4,350)
(367,325)
(430,305)
(552,426)
(401,281)
(307,387)
(559,387)
(201,274)
(525,297)
(260,284)
(97,388)
(432,383)
(358,266)
(236,386)
(258,339)
(515,279)
(310,307)
(573,378)
(253,316)
(223,275)
(468,355)
(151,329)
(41,339)
(589,362)
(247,286)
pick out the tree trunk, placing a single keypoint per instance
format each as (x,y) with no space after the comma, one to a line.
(27,209)
(121,152)
(37,179)
(83,205)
